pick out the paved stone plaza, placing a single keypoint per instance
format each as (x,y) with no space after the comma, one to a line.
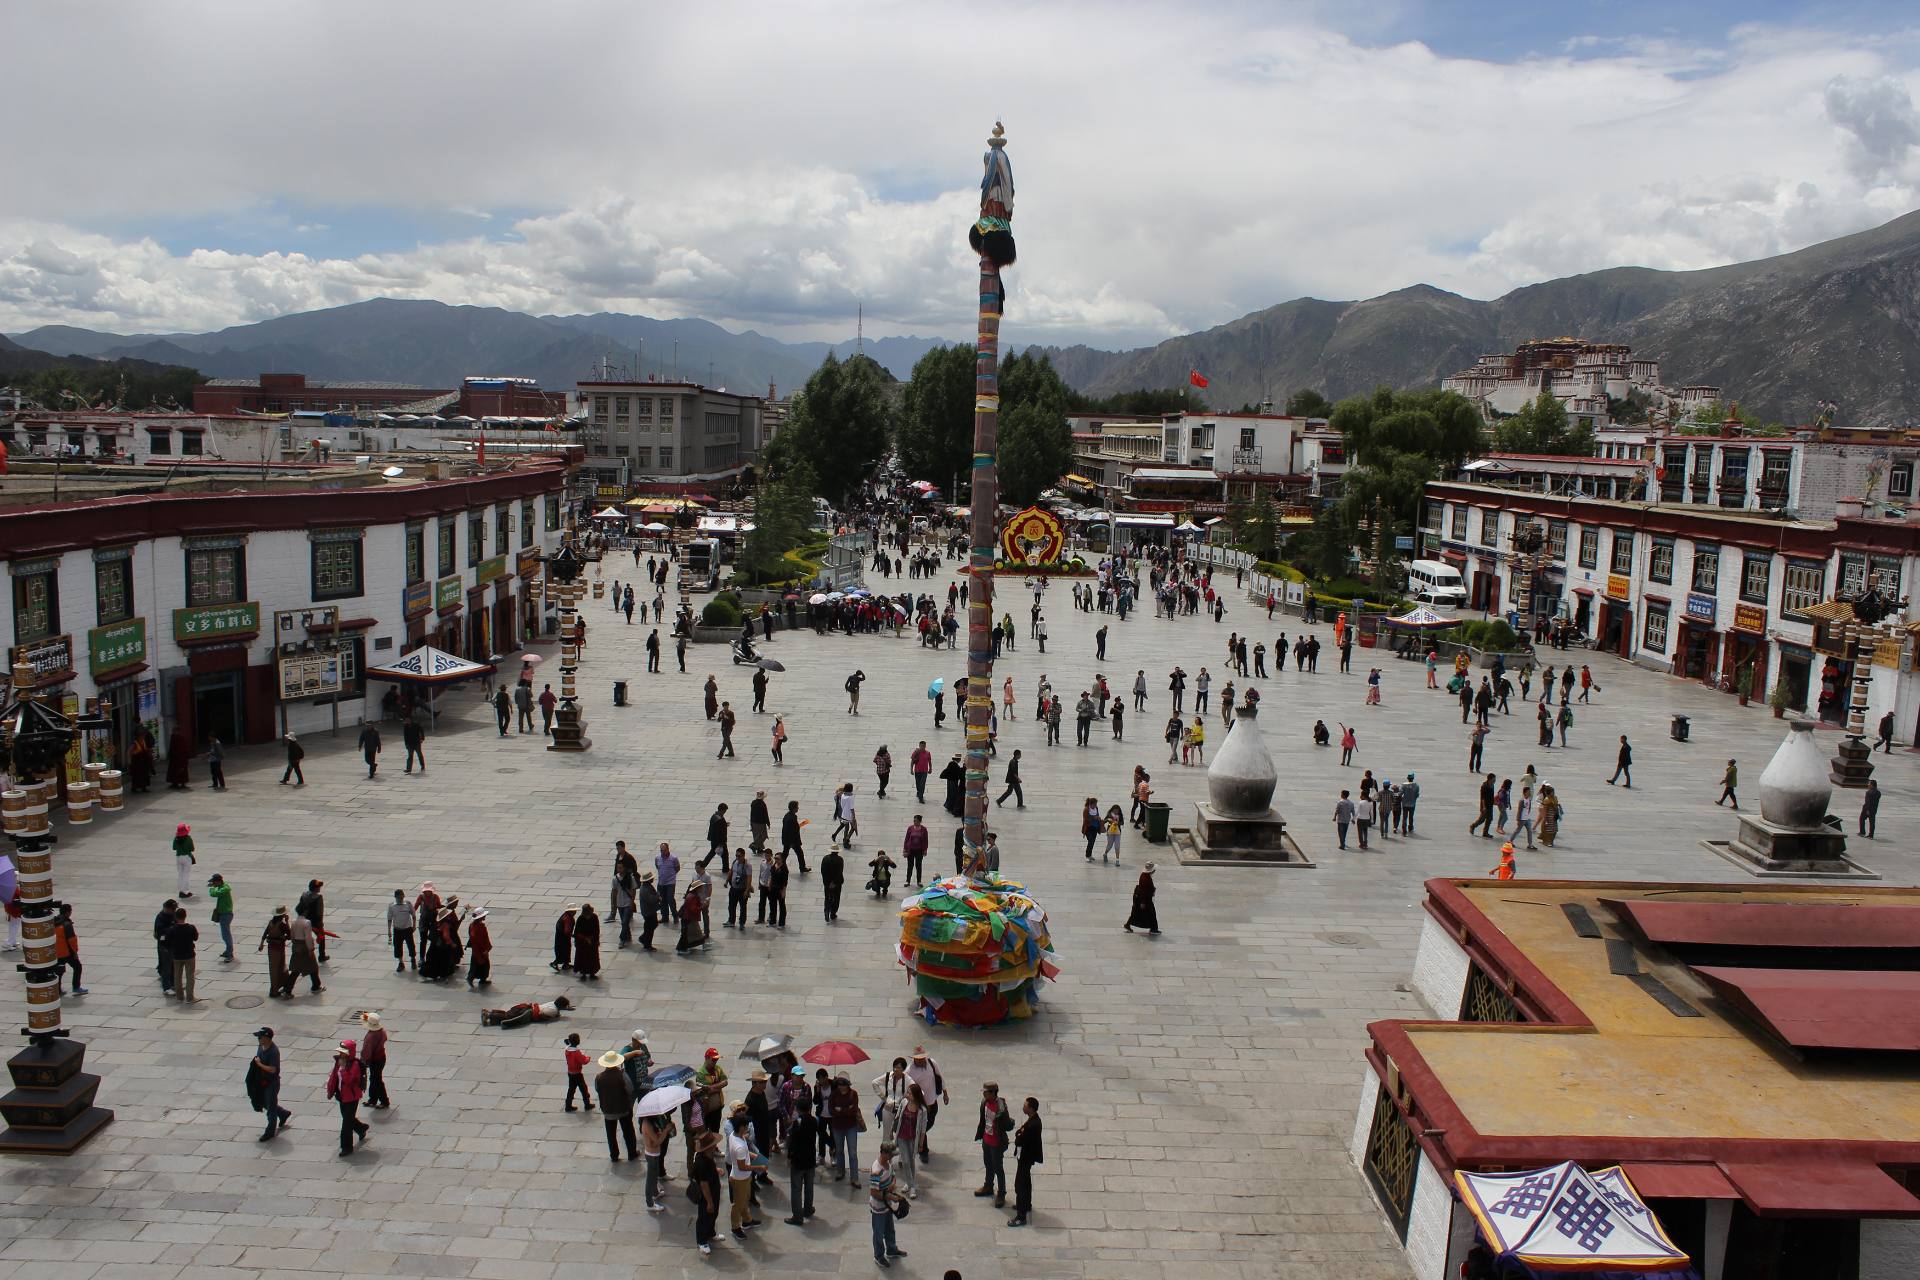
(1198,1089)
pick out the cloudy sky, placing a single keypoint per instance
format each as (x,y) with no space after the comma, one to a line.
(199,163)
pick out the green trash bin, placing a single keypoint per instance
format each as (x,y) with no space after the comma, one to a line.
(1159,817)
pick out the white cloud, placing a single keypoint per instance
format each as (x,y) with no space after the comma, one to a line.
(740,162)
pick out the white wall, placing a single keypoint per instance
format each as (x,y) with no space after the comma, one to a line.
(1440,969)
(1430,1225)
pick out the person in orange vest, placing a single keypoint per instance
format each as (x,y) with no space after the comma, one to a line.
(1339,630)
(1506,870)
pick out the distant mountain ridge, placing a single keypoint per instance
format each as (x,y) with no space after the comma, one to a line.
(1839,321)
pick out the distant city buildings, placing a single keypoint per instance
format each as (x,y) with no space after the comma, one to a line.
(288,392)
(637,431)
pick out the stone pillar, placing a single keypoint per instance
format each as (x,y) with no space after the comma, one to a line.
(569,729)
(1853,758)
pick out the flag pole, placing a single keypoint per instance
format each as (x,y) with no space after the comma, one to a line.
(992,237)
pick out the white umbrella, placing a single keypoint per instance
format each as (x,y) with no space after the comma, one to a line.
(818,597)
(658,1102)
(654,526)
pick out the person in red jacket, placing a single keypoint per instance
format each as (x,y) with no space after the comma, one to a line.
(479,951)
(373,1057)
(346,1084)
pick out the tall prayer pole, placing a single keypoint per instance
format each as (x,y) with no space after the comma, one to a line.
(992,237)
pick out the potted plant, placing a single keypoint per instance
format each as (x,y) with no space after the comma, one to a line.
(1743,683)
(1779,698)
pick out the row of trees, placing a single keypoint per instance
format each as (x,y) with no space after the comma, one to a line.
(130,384)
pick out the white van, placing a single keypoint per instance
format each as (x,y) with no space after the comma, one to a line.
(1436,584)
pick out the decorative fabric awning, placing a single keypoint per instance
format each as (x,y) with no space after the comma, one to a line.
(611,513)
(430,666)
(1422,619)
(1564,1219)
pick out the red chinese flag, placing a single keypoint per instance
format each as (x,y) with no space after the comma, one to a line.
(1193,376)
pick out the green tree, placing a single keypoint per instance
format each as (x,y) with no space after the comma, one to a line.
(936,417)
(1308,403)
(1399,440)
(841,424)
(1542,426)
(1036,445)
(782,517)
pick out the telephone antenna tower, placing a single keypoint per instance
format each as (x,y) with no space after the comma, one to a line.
(860,329)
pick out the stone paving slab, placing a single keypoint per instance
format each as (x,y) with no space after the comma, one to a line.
(1197,1087)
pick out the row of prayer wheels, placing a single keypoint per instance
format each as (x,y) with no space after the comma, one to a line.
(25,811)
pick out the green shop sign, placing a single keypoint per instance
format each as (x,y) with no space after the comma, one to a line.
(211,622)
(489,570)
(118,644)
(446,594)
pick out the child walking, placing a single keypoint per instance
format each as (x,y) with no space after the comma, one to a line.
(577,1060)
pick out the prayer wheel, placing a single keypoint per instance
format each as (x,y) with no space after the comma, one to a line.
(93,769)
(80,803)
(111,793)
(43,1005)
(37,938)
(13,808)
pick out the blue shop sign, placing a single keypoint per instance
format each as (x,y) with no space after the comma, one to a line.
(1701,608)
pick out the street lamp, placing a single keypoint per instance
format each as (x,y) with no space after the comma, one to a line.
(50,1109)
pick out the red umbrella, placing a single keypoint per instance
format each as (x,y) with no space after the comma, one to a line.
(835,1053)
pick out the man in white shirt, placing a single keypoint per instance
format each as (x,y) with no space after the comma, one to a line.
(925,1072)
(890,1090)
(740,1163)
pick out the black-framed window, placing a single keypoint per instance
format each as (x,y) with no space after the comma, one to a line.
(337,565)
(1733,476)
(1756,575)
(416,553)
(1459,522)
(190,444)
(448,562)
(160,442)
(502,528)
(1776,471)
(553,512)
(526,522)
(36,604)
(1589,548)
(1654,638)
(1803,585)
(113,588)
(1557,539)
(476,537)
(1900,480)
(1622,561)
(1706,569)
(1853,573)
(1489,528)
(216,575)
(1660,560)
(1885,574)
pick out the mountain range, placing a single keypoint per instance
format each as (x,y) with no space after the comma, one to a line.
(1837,321)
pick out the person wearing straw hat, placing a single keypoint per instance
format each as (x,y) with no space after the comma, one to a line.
(346,1084)
(373,1057)
(615,1092)
(479,951)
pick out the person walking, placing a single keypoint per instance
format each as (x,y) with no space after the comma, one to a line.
(346,1085)
(739,875)
(1507,870)
(370,747)
(1729,781)
(1869,809)
(1409,799)
(162,921)
(1343,815)
(216,762)
(549,703)
(275,935)
(1883,738)
(833,878)
(760,689)
(263,1083)
(1523,815)
(779,739)
(1484,822)
(312,907)
(373,1059)
(1012,779)
(1566,719)
(1028,1151)
(1140,689)
(1348,742)
(181,944)
(854,682)
(1549,824)
(727,720)
(882,768)
(666,869)
(1623,764)
(655,1132)
(992,1131)
(1476,746)
(803,1159)
(790,842)
(920,764)
(502,710)
(295,754)
(302,935)
(1144,915)
(222,894)
(479,951)
(913,848)
(183,859)
(66,949)
(414,738)
(845,1124)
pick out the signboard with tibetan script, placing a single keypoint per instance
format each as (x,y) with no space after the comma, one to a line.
(1619,586)
(1749,617)
(1701,608)
(416,599)
(214,621)
(447,594)
(51,658)
(118,644)
(490,569)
